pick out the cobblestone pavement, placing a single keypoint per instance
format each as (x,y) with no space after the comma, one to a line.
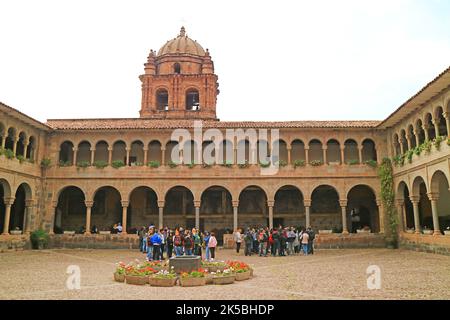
(329,274)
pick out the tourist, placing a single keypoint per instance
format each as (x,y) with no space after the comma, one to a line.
(197,242)
(141,234)
(248,240)
(238,240)
(212,244)
(156,242)
(305,242)
(178,243)
(206,244)
(255,244)
(290,241)
(269,240)
(94,229)
(262,240)
(119,228)
(169,241)
(150,245)
(283,239)
(296,242)
(163,236)
(312,236)
(188,243)
(275,242)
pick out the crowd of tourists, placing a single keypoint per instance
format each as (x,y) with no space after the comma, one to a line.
(159,244)
(276,242)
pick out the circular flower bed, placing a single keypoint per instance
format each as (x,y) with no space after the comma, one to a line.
(157,273)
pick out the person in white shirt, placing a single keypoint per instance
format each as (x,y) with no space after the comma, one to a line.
(238,240)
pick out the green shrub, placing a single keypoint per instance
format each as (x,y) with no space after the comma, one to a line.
(9,153)
(448,141)
(371,163)
(20,158)
(100,164)
(46,162)
(427,146)
(353,162)
(2,151)
(316,163)
(191,165)
(172,164)
(117,164)
(39,239)
(83,164)
(281,163)
(264,164)
(64,163)
(388,198)
(409,155)
(243,165)
(153,164)
(227,164)
(437,142)
(207,165)
(299,163)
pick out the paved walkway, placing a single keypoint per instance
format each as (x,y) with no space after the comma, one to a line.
(329,274)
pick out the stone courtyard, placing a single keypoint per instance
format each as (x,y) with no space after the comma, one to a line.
(329,274)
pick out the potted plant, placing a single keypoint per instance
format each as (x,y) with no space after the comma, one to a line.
(325,231)
(39,239)
(213,266)
(193,279)
(138,274)
(153,164)
(16,231)
(241,269)
(226,277)
(119,274)
(299,163)
(410,230)
(163,278)
(71,232)
(427,231)
(365,229)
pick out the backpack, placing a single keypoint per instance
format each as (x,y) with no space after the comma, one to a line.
(188,242)
(177,241)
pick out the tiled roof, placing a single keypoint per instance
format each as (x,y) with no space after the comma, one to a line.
(138,123)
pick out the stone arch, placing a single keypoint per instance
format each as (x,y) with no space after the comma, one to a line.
(411,136)
(192,99)
(162,99)
(351,153)
(172,147)
(190,152)
(154,152)
(315,150)
(70,211)
(31,148)
(18,209)
(441,122)
(5,195)
(262,151)
(253,208)
(2,133)
(298,151)
(142,209)
(440,189)
(369,151)
(429,126)
(325,208)
(403,140)
(420,131)
(282,151)
(226,153)
(178,206)
(288,206)
(20,148)
(363,209)
(333,151)
(243,152)
(11,134)
(420,193)
(119,151)
(136,153)
(84,152)
(403,194)
(66,153)
(106,208)
(101,151)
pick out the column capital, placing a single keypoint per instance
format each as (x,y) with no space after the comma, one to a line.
(433,196)
(110,148)
(92,149)
(306,147)
(9,201)
(145,149)
(324,147)
(75,149)
(379,202)
(343,202)
(307,202)
(125,203)
(445,115)
(197,203)
(414,199)
(270,203)
(235,203)
(89,203)
(160,203)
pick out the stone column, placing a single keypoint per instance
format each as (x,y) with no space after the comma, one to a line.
(401,212)
(89,205)
(270,205)
(8,203)
(54,206)
(289,161)
(234,155)
(197,214)
(324,150)
(160,213)
(74,158)
(436,127)
(360,148)
(124,216)
(15,141)
(307,203)
(400,142)
(343,204)
(306,155)
(415,202)
(110,154)
(29,206)
(416,136)
(447,122)
(92,155)
(145,156)
(342,154)
(408,141)
(380,214)
(163,156)
(235,214)
(25,150)
(128,156)
(434,210)
(425,129)
(253,156)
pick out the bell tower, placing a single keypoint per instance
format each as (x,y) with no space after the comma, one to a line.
(179,82)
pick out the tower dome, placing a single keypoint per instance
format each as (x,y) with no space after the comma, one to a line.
(182,44)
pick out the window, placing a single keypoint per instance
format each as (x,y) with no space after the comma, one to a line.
(192,100)
(162,100)
(177,68)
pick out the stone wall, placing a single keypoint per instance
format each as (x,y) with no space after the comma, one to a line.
(14,243)
(96,241)
(425,243)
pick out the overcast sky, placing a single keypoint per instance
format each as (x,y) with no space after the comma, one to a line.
(276,60)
